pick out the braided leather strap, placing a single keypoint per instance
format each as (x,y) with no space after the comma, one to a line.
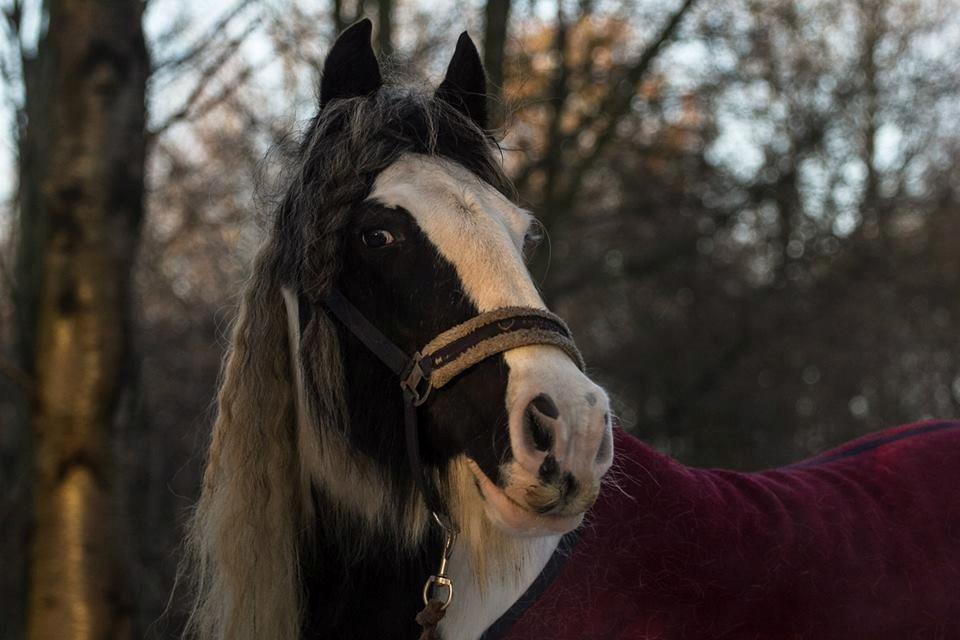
(490,333)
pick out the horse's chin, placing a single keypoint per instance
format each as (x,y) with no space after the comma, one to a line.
(513,518)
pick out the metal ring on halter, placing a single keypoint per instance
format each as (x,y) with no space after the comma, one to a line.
(417,381)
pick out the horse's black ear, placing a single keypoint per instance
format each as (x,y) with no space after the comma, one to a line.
(465,85)
(351,68)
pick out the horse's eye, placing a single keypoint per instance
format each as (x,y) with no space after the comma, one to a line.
(376,238)
(533,239)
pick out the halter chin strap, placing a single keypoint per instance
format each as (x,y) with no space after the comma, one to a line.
(447,356)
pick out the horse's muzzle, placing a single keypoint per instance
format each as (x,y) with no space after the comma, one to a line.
(561,445)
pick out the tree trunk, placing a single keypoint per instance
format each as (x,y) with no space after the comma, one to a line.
(385,26)
(872,28)
(496,19)
(344,16)
(339,24)
(85,142)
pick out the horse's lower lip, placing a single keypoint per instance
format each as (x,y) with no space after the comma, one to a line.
(513,516)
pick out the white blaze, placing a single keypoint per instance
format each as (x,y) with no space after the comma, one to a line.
(473,226)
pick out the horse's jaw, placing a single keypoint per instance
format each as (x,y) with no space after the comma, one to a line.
(512,518)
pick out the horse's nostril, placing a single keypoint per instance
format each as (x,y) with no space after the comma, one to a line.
(540,431)
(541,412)
(549,469)
(545,405)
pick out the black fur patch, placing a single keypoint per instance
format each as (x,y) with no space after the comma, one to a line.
(372,594)
(412,293)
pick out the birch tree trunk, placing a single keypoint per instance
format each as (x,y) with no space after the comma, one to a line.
(85,161)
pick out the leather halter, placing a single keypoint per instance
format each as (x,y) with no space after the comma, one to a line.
(437,363)
(447,356)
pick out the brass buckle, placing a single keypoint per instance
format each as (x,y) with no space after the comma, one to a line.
(416,381)
(440,580)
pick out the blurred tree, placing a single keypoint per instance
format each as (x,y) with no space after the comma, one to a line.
(581,102)
(496,20)
(752,210)
(81,203)
(385,26)
(722,259)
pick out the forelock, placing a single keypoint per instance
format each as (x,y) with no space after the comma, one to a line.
(343,150)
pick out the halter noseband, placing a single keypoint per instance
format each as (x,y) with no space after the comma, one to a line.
(441,360)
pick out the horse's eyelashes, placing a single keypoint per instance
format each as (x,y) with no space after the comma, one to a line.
(532,240)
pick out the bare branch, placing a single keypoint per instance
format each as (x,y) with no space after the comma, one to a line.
(339,24)
(617,102)
(14,17)
(193,112)
(385,26)
(496,23)
(214,34)
(276,134)
(189,111)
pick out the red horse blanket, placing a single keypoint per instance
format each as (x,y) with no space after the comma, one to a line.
(860,542)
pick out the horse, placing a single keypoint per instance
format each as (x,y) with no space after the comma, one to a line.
(399,407)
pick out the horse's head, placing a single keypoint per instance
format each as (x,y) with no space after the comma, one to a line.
(429,242)
(396,200)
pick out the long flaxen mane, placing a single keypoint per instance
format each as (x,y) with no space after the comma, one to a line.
(272,443)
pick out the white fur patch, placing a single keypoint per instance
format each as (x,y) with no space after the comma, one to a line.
(476,606)
(473,225)
(480,232)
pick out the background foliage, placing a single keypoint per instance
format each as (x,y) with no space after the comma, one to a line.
(752,209)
